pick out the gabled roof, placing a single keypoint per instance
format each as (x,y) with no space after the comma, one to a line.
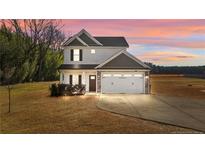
(77,42)
(86,39)
(122,60)
(113,41)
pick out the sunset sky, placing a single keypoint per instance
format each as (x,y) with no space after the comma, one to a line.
(162,42)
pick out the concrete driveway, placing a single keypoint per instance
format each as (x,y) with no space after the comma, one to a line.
(171,110)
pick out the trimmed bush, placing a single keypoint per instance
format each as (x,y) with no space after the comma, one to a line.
(64,89)
(54,90)
(67,89)
(78,89)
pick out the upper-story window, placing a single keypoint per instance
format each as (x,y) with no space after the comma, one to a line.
(76,55)
(93,51)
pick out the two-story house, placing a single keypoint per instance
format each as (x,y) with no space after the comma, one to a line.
(103,65)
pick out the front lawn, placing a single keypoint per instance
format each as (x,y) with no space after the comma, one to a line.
(33,111)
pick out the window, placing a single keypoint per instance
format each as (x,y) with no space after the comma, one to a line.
(71,79)
(106,75)
(76,55)
(127,75)
(80,79)
(92,77)
(93,51)
(117,75)
(138,75)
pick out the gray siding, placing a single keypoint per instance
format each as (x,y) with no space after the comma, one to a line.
(101,54)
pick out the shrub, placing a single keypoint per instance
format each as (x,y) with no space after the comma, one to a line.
(78,89)
(67,89)
(54,90)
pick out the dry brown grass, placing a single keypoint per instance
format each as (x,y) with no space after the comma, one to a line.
(33,111)
(178,86)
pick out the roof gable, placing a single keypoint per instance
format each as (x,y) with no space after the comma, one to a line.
(88,40)
(123,60)
(83,36)
(76,42)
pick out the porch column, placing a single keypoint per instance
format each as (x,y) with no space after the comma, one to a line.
(147,83)
(83,78)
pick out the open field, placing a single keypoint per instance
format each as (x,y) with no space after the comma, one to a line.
(178,86)
(33,111)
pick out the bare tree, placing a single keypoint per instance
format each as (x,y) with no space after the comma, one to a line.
(51,38)
(8,74)
(40,36)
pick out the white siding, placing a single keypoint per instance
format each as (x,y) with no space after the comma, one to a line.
(85,77)
(66,78)
(75,78)
(101,54)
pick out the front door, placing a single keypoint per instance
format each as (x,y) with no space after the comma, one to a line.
(92,83)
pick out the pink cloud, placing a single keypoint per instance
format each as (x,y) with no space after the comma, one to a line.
(164,56)
(137,28)
(168,42)
(158,32)
(168,31)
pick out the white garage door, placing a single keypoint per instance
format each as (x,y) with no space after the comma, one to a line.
(122,83)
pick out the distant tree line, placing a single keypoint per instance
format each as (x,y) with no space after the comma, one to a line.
(197,70)
(30,50)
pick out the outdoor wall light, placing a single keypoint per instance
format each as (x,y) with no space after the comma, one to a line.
(146,77)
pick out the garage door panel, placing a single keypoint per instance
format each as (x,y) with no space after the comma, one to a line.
(122,84)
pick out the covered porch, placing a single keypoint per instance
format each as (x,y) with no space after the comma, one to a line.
(85,77)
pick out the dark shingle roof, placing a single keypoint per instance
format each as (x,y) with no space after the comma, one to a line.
(77,66)
(87,40)
(113,41)
(122,61)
